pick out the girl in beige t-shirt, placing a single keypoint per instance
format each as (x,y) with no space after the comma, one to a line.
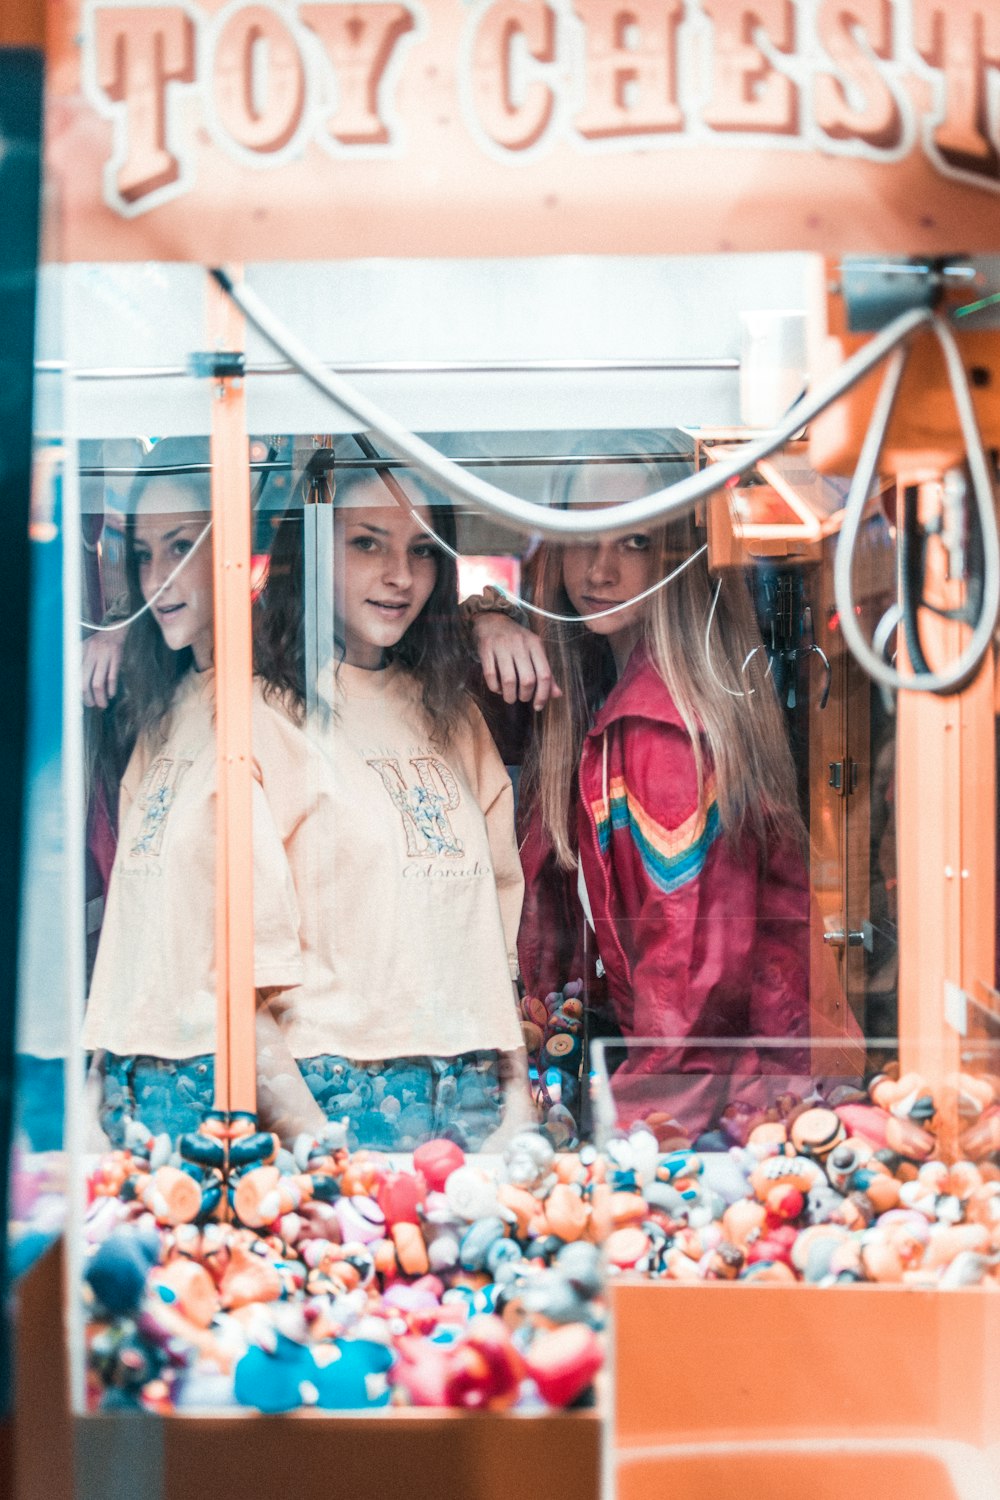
(420,886)
(151,1012)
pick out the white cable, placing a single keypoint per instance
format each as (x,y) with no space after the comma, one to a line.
(395,489)
(124,624)
(614,609)
(882,634)
(708,650)
(961,670)
(536,609)
(527,515)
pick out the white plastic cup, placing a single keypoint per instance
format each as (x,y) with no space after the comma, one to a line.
(772,365)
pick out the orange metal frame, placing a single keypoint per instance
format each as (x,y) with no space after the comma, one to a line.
(235,1087)
(946,789)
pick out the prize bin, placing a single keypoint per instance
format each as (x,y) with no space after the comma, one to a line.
(290,474)
(204,409)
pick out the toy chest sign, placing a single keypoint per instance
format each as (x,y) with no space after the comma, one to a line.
(316,128)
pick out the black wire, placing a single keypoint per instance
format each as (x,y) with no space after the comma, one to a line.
(913,556)
(911,583)
(390,481)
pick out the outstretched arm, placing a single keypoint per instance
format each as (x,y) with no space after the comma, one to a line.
(102,655)
(514,662)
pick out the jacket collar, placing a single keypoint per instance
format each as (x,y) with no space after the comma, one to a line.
(640,693)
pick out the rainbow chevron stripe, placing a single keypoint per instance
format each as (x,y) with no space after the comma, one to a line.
(671,856)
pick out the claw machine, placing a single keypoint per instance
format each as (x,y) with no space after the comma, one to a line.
(533,810)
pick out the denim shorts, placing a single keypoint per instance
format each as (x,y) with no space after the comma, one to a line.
(165,1093)
(397,1104)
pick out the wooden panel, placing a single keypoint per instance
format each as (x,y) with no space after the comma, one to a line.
(819,1474)
(22,23)
(946,791)
(409,1456)
(719,1363)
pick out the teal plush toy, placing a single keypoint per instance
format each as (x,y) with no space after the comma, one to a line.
(345,1375)
(352,1374)
(280,1378)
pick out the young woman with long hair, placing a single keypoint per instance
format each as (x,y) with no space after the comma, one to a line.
(659,802)
(421,884)
(151,1012)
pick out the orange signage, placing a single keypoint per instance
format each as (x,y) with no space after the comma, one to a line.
(318,128)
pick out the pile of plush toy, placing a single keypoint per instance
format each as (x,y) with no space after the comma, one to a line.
(340,1281)
(553,1040)
(229,1270)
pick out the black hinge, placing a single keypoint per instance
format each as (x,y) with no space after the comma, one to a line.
(218,364)
(843,776)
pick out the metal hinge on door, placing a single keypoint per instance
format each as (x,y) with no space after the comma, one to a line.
(844,776)
(847,939)
(844,939)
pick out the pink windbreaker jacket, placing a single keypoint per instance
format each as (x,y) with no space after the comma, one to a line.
(699,937)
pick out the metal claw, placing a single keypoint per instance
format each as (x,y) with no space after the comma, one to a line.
(827,673)
(750,656)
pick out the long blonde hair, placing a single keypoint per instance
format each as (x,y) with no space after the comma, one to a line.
(739,732)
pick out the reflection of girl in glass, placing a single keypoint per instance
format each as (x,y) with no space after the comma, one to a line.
(151,1013)
(660,793)
(421,886)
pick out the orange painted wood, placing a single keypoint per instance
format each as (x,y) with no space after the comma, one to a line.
(946,822)
(761,1476)
(404,1455)
(22,23)
(718,1363)
(235,1060)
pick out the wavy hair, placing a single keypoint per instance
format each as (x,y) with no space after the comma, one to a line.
(435,649)
(739,733)
(150,670)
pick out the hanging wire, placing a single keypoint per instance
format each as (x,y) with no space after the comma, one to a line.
(402,498)
(952,678)
(526,515)
(892,342)
(744,693)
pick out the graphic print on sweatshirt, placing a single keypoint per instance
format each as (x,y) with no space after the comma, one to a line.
(156,797)
(423,802)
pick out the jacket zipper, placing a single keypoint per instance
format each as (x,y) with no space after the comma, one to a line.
(600,861)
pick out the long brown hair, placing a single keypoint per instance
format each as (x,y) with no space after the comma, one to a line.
(435,649)
(736,731)
(150,670)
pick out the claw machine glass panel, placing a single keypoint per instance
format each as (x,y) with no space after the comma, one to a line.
(529,852)
(537,817)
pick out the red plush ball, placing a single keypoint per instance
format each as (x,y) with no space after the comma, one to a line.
(563,1363)
(400,1196)
(436,1160)
(784,1202)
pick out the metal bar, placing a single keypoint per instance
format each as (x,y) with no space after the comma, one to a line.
(317,561)
(128,471)
(514,461)
(408,367)
(236,1064)
(945,798)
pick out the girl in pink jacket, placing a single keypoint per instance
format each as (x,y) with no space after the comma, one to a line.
(659,792)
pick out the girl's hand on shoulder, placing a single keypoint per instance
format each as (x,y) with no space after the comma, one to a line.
(102,655)
(513,660)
